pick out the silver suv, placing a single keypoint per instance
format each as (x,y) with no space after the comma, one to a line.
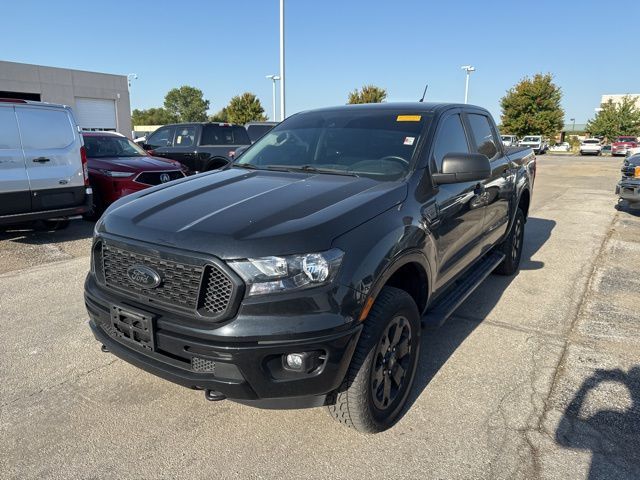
(43,165)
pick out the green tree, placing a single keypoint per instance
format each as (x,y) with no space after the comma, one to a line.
(615,119)
(187,104)
(220,116)
(244,108)
(152,116)
(532,107)
(367,94)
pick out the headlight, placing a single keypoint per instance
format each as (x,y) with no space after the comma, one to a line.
(116,174)
(292,272)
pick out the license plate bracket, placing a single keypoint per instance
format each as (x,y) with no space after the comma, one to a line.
(132,326)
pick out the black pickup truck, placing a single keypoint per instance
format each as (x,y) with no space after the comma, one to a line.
(302,274)
(201,147)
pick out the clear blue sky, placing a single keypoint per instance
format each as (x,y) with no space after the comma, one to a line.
(333,46)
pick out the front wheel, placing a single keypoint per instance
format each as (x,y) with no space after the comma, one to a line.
(512,246)
(375,389)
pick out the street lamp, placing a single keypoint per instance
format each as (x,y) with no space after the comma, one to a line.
(274,79)
(468,69)
(131,76)
(282,112)
(573,124)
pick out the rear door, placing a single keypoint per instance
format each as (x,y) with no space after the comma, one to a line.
(498,188)
(15,193)
(51,144)
(184,144)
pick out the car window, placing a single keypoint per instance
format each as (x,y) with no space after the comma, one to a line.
(161,137)
(451,139)
(224,135)
(483,135)
(185,136)
(9,137)
(44,129)
(257,131)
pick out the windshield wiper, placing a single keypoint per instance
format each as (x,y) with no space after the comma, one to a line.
(249,166)
(312,169)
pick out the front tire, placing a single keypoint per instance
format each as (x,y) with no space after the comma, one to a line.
(512,246)
(374,391)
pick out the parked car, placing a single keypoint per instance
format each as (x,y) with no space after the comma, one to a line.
(509,140)
(536,143)
(590,146)
(43,174)
(299,275)
(258,129)
(118,167)
(560,147)
(623,145)
(200,146)
(628,188)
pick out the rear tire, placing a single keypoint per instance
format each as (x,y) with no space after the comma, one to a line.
(51,225)
(512,246)
(374,391)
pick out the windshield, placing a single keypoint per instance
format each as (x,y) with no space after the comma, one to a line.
(626,139)
(111,146)
(531,139)
(507,138)
(377,144)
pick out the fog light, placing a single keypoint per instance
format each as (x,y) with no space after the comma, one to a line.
(295,361)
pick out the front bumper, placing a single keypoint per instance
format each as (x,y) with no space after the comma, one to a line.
(629,190)
(248,371)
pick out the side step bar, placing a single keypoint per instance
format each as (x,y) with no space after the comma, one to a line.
(448,304)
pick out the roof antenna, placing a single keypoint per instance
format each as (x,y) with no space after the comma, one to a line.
(424,93)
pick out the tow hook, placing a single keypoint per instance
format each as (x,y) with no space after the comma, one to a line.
(214,396)
(104,349)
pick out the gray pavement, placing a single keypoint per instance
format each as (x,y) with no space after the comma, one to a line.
(536,376)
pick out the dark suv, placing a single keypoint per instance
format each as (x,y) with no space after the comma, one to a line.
(200,146)
(300,275)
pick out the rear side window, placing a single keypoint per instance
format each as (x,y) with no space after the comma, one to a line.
(161,138)
(451,139)
(483,135)
(9,137)
(257,131)
(224,135)
(185,136)
(44,129)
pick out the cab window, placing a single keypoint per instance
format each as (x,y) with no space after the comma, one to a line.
(451,139)
(161,138)
(483,135)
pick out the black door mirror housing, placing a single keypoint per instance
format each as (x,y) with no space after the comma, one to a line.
(463,167)
(146,146)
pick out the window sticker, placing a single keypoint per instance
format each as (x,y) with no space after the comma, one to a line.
(408,118)
(409,140)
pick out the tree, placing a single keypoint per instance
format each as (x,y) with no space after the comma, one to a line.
(220,116)
(532,107)
(152,116)
(187,104)
(615,119)
(368,94)
(244,108)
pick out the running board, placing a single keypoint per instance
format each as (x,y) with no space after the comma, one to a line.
(448,304)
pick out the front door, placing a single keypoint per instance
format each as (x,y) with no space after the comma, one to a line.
(458,211)
(15,194)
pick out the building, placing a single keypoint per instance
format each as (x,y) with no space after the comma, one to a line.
(617,98)
(100,101)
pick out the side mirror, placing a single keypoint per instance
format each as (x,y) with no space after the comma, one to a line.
(463,167)
(146,146)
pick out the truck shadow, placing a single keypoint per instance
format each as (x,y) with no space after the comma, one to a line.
(35,234)
(612,435)
(438,345)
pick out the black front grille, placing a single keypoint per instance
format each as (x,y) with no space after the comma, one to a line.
(156,178)
(204,289)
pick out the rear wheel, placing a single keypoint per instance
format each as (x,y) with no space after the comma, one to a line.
(49,225)
(512,246)
(375,389)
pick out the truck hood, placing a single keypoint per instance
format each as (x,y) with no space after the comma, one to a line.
(236,213)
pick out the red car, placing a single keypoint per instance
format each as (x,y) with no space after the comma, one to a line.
(622,145)
(118,167)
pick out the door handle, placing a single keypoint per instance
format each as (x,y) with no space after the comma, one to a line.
(41,160)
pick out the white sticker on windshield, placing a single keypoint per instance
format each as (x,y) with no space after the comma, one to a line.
(409,140)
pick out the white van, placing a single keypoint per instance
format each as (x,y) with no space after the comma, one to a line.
(43,165)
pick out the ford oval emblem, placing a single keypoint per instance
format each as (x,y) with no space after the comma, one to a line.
(144,277)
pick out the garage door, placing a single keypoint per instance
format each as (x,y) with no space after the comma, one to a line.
(95,113)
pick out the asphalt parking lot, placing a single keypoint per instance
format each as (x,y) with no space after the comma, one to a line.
(536,375)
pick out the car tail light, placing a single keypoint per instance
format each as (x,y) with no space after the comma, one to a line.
(85,167)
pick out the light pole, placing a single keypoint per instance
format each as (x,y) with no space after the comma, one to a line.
(573,124)
(468,69)
(282,112)
(274,79)
(131,76)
